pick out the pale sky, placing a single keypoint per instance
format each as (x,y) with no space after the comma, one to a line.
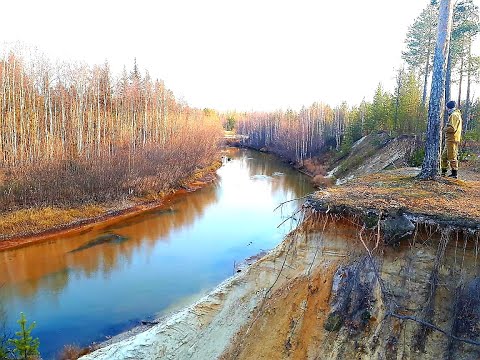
(226,55)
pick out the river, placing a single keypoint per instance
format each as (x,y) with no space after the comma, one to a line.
(79,291)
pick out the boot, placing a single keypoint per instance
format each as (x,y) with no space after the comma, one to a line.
(444,172)
(454,174)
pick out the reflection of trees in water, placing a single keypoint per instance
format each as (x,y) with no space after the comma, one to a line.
(4,334)
(291,182)
(50,265)
(44,265)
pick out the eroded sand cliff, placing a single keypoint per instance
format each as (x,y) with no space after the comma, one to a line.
(351,282)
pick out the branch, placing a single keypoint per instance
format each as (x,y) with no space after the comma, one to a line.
(378,231)
(431,326)
(290,217)
(285,202)
(280,272)
(318,245)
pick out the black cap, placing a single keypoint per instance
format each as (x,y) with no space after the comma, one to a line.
(451,104)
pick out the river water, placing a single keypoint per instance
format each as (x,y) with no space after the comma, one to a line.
(79,291)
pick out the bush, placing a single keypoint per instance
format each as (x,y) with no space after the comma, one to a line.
(473,134)
(73,352)
(152,169)
(314,167)
(465,154)
(416,159)
(321,181)
(229,124)
(3,346)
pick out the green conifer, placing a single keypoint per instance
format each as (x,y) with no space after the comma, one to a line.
(25,346)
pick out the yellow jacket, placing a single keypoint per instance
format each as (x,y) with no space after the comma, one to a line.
(453,128)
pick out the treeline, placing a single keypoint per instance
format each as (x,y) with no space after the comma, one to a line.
(303,134)
(298,135)
(462,64)
(73,133)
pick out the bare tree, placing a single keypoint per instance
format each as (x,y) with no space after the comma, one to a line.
(72,122)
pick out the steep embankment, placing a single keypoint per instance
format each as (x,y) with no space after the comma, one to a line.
(373,153)
(384,268)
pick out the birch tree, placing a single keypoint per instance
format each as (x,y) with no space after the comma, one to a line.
(69,122)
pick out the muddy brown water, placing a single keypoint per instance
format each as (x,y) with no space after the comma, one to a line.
(89,287)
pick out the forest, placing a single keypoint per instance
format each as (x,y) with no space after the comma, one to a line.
(299,135)
(72,134)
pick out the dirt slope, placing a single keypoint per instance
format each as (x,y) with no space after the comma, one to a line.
(371,154)
(321,295)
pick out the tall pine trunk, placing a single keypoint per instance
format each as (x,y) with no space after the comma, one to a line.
(448,80)
(432,143)
(425,78)
(469,80)
(397,99)
(460,81)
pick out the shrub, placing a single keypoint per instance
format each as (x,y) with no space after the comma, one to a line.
(473,134)
(314,167)
(3,346)
(416,159)
(73,352)
(117,176)
(321,181)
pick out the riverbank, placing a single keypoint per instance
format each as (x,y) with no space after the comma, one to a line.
(372,153)
(27,226)
(345,283)
(155,263)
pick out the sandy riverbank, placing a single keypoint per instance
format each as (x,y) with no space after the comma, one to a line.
(337,288)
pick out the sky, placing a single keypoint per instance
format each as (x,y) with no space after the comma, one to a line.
(229,55)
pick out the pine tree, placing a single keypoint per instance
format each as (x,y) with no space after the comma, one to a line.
(353,131)
(135,76)
(465,27)
(432,143)
(25,346)
(4,352)
(380,112)
(3,330)
(420,44)
(410,112)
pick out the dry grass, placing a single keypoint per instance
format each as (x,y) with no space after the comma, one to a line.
(198,179)
(396,189)
(73,352)
(321,181)
(315,167)
(38,220)
(202,173)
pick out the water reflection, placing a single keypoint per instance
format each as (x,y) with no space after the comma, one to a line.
(81,288)
(31,268)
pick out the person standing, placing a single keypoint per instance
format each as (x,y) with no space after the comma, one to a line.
(453,133)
